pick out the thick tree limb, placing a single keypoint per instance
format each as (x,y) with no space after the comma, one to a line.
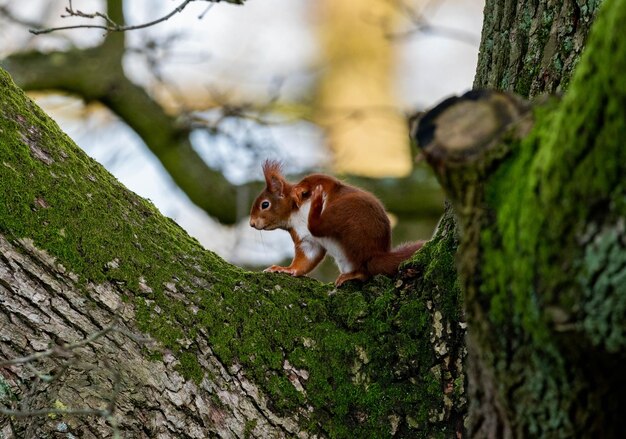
(162,393)
(219,351)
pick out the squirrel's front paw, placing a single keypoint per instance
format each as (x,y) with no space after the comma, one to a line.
(279,269)
(318,194)
(317,200)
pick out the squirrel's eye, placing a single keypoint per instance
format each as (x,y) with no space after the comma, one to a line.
(265,204)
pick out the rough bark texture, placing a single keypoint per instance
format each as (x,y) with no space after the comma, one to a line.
(43,306)
(532,46)
(229,353)
(542,256)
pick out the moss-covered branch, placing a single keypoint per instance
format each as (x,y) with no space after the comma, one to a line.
(366,360)
(543,252)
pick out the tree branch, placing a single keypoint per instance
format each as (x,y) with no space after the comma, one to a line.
(113,26)
(421,25)
(96,74)
(236,353)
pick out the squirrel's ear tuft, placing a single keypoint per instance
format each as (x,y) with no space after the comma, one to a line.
(272,167)
(272,170)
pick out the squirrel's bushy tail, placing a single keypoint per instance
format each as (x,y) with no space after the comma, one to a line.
(387,263)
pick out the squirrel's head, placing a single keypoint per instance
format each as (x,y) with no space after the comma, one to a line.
(272,208)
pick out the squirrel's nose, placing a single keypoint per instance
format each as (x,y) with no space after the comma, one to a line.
(252,224)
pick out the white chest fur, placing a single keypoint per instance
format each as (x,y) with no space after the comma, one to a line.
(299,221)
(311,245)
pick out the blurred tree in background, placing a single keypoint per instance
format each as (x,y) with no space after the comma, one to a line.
(166,121)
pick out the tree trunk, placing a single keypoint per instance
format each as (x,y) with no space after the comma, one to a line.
(540,195)
(135,329)
(531,47)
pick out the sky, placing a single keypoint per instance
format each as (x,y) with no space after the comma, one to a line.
(245,52)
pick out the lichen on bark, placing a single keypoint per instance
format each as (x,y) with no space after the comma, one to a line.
(532,47)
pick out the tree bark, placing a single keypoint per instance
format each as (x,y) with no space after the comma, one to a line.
(531,47)
(42,306)
(133,323)
(539,190)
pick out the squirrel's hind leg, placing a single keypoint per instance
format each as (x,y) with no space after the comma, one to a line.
(353,275)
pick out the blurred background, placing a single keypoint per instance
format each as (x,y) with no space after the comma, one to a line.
(322,85)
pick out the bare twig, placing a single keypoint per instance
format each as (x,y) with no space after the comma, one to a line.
(442,31)
(208,8)
(64,355)
(63,349)
(420,24)
(110,25)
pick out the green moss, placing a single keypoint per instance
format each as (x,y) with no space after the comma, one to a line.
(6,395)
(518,260)
(190,367)
(365,349)
(249,428)
(437,264)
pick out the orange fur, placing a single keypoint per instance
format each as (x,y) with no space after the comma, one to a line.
(344,221)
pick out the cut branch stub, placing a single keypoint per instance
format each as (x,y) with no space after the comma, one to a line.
(462,136)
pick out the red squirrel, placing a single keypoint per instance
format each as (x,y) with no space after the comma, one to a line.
(324,215)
